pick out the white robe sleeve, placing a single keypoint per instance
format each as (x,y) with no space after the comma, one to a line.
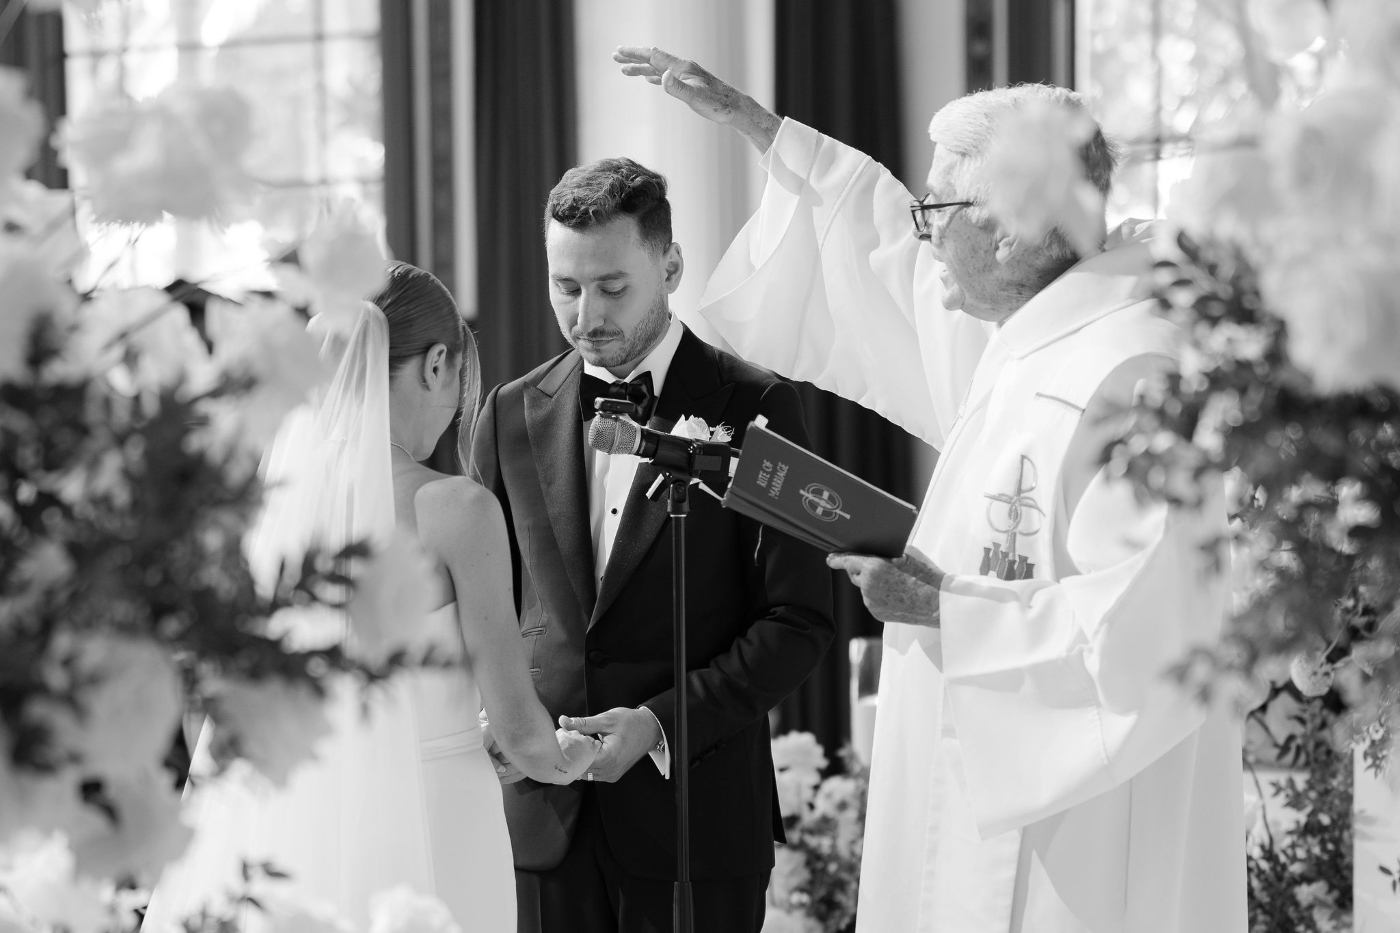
(826,283)
(1057,689)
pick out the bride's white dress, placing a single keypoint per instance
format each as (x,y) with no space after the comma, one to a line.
(405,796)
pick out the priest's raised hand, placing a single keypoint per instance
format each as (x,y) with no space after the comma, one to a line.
(712,98)
(901,590)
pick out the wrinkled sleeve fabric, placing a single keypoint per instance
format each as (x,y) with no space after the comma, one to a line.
(826,284)
(1058,690)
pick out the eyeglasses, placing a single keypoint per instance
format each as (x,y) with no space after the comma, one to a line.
(922,212)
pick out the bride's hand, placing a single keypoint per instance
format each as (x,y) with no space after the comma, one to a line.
(579,750)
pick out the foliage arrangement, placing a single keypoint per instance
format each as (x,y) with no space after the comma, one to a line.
(1299,822)
(132,421)
(815,879)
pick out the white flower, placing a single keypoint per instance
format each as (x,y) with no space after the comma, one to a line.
(274,724)
(12,922)
(402,910)
(1289,26)
(143,835)
(389,611)
(1228,193)
(1315,894)
(796,787)
(779,920)
(1327,160)
(22,123)
(1035,177)
(40,876)
(790,874)
(43,219)
(266,341)
(1342,308)
(342,260)
(129,700)
(798,750)
(179,153)
(32,801)
(692,427)
(1372,31)
(144,328)
(283,914)
(1311,674)
(837,795)
(32,294)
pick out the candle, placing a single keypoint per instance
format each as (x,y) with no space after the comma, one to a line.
(863,727)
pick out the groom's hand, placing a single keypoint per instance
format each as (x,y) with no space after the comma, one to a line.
(902,590)
(628,734)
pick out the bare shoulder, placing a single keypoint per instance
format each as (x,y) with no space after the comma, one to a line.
(458,509)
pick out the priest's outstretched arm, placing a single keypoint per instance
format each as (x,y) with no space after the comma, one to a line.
(826,282)
(1058,689)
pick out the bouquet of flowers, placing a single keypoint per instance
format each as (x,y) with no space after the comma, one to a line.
(132,421)
(816,875)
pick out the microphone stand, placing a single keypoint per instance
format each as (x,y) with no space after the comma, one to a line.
(682,901)
(679,467)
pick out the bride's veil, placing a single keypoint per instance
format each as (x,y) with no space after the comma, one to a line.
(352,822)
(328,472)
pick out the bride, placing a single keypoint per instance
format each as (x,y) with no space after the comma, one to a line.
(406,795)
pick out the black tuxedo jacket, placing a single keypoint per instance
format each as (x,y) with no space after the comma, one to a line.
(758,617)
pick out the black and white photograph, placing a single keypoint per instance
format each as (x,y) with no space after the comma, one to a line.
(701,466)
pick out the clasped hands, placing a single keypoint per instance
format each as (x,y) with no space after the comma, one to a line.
(623,737)
(903,590)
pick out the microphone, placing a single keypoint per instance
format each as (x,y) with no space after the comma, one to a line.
(697,459)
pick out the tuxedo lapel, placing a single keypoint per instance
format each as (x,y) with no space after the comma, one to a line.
(693,388)
(555,428)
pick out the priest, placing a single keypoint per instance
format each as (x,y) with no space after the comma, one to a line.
(1034,768)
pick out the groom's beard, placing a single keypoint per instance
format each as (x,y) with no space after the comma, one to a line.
(636,345)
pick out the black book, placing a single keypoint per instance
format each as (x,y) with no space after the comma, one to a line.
(786,487)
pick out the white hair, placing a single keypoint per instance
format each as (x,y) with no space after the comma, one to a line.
(968,126)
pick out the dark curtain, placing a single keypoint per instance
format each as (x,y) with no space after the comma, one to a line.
(838,71)
(33,43)
(427,242)
(526,137)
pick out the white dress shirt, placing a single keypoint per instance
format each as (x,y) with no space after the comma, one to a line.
(610,478)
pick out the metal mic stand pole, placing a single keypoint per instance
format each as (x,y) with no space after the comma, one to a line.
(682,904)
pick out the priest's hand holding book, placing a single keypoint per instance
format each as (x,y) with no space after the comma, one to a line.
(904,589)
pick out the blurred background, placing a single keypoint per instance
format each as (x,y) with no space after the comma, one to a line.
(450,120)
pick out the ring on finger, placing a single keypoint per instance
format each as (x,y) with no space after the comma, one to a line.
(588,776)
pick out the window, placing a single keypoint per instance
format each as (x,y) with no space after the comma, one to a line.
(1156,73)
(311,71)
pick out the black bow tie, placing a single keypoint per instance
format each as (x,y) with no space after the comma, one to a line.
(638,391)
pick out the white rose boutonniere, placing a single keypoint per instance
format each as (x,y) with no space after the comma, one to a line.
(696,429)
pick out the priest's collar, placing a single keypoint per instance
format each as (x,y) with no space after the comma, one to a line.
(1103,283)
(657,362)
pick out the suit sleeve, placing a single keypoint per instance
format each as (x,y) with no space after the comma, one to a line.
(787,588)
(485,468)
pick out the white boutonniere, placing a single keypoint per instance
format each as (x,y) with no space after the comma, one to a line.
(696,429)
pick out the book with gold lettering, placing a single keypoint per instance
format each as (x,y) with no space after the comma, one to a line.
(789,488)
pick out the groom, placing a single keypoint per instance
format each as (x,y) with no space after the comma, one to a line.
(592,575)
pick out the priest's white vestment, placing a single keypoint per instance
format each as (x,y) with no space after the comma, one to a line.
(1033,769)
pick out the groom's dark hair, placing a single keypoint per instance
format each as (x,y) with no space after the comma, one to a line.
(602,191)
